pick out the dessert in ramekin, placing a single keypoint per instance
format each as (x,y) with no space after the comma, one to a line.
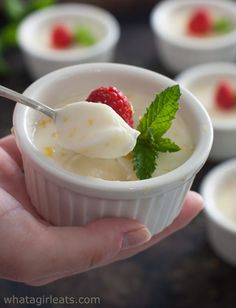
(67,34)
(214,85)
(219,192)
(66,198)
(190,32)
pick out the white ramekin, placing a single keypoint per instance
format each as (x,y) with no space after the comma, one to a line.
(178,53)
(224,144)
(221,230)
(64,198)
(41,61)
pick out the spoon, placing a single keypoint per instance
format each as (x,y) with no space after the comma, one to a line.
(94,130)
(20,98)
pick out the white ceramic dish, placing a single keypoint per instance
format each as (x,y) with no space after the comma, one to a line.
(179,52)
(221,229)
(224,144)
(41,60)
(64,198)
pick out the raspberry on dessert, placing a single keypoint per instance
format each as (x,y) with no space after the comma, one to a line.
(61,37)
(224,96)
(200,22)
(114,98)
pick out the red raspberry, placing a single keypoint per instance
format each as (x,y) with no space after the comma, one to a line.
(61,36)
(114,98)
(200,23)
(225,97)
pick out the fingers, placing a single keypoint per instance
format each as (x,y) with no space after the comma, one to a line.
(11,177)
(10,173)
(17,226)
(192,206)
(7,203)
(8,143)
(12,180)
(37,254)
(72,250)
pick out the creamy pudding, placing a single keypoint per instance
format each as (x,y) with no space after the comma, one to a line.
(205,87)
(68,35)
(226,198)
(47,140)
(178,23)
(94,130)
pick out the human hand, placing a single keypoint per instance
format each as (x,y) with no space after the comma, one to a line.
(35,252)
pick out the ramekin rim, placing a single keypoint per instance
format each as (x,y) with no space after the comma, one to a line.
(186,170)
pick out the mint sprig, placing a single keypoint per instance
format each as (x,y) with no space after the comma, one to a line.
(152,126)
(222,26)
(84,36)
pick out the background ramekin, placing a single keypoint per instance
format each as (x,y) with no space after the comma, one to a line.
(42,61)
(221,230)
(64,198)
(178,53)
(224,144)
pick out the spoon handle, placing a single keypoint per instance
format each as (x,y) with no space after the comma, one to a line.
(20,98)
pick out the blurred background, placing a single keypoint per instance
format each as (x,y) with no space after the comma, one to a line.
(182,271)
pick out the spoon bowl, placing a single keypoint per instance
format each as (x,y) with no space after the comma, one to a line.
(73,122)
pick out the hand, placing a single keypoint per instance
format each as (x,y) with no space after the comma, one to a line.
(35,252)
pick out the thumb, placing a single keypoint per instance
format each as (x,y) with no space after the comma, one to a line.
(71,250)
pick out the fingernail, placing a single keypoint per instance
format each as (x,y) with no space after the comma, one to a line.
(135,238)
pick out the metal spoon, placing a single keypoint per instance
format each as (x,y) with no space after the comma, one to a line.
(20,98)
(72,132)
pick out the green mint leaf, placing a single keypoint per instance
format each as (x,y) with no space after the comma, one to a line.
(145,157)
(14,9)
(161,111)
(152,126)
(167,145)
(39,4)
(222,26)
(83,36)
(8,35)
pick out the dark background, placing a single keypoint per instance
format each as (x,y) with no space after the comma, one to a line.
(180,272)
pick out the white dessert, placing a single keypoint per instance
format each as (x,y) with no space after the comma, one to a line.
(94,130)
(42,37)
(226,199)
(46,139)
(204,89)
(177,23)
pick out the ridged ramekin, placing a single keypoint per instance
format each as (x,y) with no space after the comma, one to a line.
(63,198)
(41,61)
(220,229)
